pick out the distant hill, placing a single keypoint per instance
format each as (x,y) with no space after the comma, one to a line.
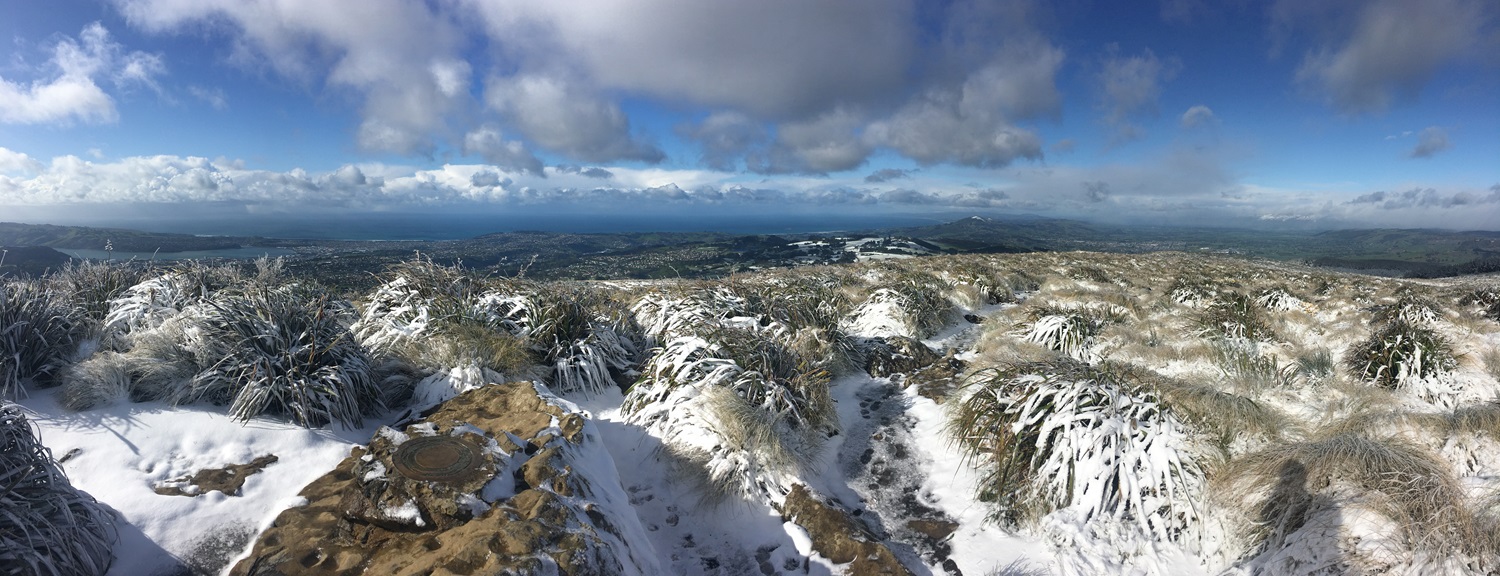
(86,238)
(29,260)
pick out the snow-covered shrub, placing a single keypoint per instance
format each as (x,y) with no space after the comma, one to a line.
(152,301)
(987,285)
(1242,364)
(37,336)
(91,285)
(1278,298)
(1195,293)
(742,407)
(811,308)
(285,351)
(1061,435)
(1234,315)
(668,314)
(1284,489)
(1398,352)
(1485,300)
(1069,329)
(47,527)
(1409,308)
(582,335)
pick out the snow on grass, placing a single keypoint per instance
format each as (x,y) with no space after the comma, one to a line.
(124,450)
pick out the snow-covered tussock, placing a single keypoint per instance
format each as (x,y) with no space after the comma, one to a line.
(741,408)
(1063,437)
(47,527)
(666,315)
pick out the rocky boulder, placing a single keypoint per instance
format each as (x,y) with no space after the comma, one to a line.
(505,478)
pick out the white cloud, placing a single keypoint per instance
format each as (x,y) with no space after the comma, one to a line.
(488,143)
(777,59)
(1391,51)
(214,97)
(12,162)
(69,89)
(1129,86)
(832,142)
(1199,115)
(561,117)
(1430,141)
(400,56)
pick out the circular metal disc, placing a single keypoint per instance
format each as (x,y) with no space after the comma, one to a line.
(439,459)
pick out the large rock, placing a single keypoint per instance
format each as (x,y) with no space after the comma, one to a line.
(892,355)
(837,536)
(526,487)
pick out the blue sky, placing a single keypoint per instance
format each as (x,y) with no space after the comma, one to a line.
(1333,113)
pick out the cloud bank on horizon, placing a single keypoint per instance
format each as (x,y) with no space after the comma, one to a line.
(1342,112)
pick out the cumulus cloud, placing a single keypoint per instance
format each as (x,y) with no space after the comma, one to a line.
(1426,198)
(1389,53)
(886,175)
(1199,115)
(1431,140)
(69,90)
(820,54)
(214,97)
(831,142)
(968,113)
(488,143)
(400,56)
(725,137)
(1129,87)
(12,162)
(593,172)
(563,118)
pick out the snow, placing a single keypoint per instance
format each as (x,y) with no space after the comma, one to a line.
(125,450)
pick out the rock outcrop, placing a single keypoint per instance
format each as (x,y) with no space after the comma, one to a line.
(505,478)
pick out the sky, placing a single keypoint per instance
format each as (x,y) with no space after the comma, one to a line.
(1324,114)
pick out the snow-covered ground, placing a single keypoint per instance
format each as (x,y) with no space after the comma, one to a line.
(892,462)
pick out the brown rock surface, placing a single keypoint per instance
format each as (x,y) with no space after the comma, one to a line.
(528,509)
(228,479)
(896,355)
(838,537)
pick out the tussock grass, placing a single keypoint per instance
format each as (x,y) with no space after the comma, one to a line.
(1241,363)
(1234,315)
(1224,415)
(1409,308)
(37,337)
(47,527)
(99,380)
(91,285)
(1400,351)
(1069,329)
(1062,434)
(285,351)
(768,411)
(1284,486)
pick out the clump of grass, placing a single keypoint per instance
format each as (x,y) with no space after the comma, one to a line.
(1400,351)
(1242,364)
(1409,308)
(1224,415)
(285,351)
(91,285)
(766,411)
(47,527)
(1317,364)
(1283,487)
(1194,292)
(37,337)
(1059,434)
(1485,300)
(922,298)
(1278,298)
(1068,329)
(1234,315)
